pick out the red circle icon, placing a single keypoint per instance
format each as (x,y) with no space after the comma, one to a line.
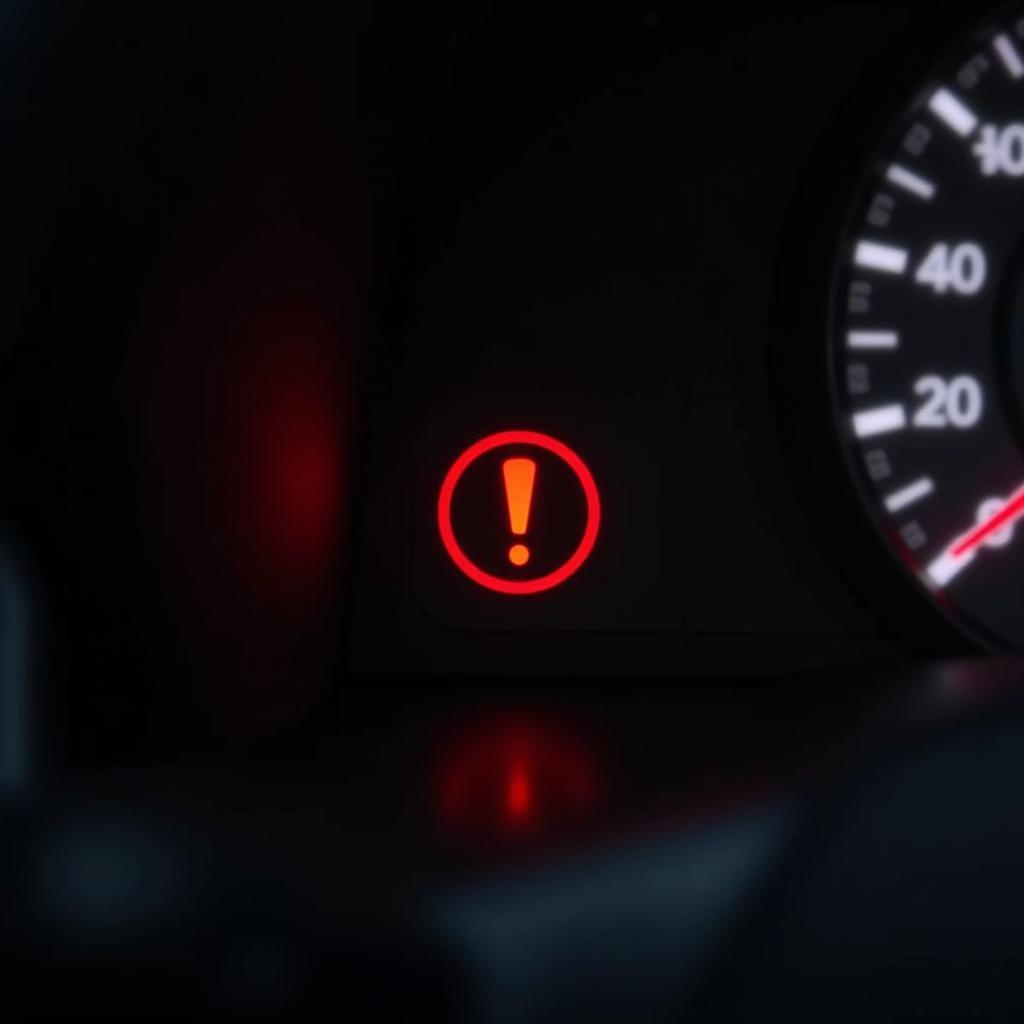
(518,474)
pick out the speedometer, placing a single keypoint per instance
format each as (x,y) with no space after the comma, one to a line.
(927,335)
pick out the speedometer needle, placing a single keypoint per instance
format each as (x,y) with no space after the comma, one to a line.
(961,552)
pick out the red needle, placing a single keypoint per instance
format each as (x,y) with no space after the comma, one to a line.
(1013,509)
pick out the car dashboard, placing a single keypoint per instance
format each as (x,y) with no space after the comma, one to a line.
(509,513)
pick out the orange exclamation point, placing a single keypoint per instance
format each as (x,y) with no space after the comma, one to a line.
(519,475)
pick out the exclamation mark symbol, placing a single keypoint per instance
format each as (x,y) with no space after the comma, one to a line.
(519,475)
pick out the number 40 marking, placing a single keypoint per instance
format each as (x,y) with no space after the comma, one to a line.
(958,268)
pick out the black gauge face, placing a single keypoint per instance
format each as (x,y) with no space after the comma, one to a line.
(927,335)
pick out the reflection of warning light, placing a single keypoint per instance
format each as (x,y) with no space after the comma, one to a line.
(519,793)
(517,776)
(520,475)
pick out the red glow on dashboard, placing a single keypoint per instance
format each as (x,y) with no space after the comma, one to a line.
(516,775)
(256,336)
(289,460)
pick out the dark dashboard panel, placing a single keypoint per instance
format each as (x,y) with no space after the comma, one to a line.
(620,237)
(623,242)
(627,281)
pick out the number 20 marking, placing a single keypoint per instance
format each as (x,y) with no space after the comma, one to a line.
(954,403)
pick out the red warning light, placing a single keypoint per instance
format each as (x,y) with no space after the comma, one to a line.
(519,476)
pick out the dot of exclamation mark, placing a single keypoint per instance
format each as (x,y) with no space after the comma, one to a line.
(519,476)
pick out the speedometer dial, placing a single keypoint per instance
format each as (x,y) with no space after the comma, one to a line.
(927,335)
